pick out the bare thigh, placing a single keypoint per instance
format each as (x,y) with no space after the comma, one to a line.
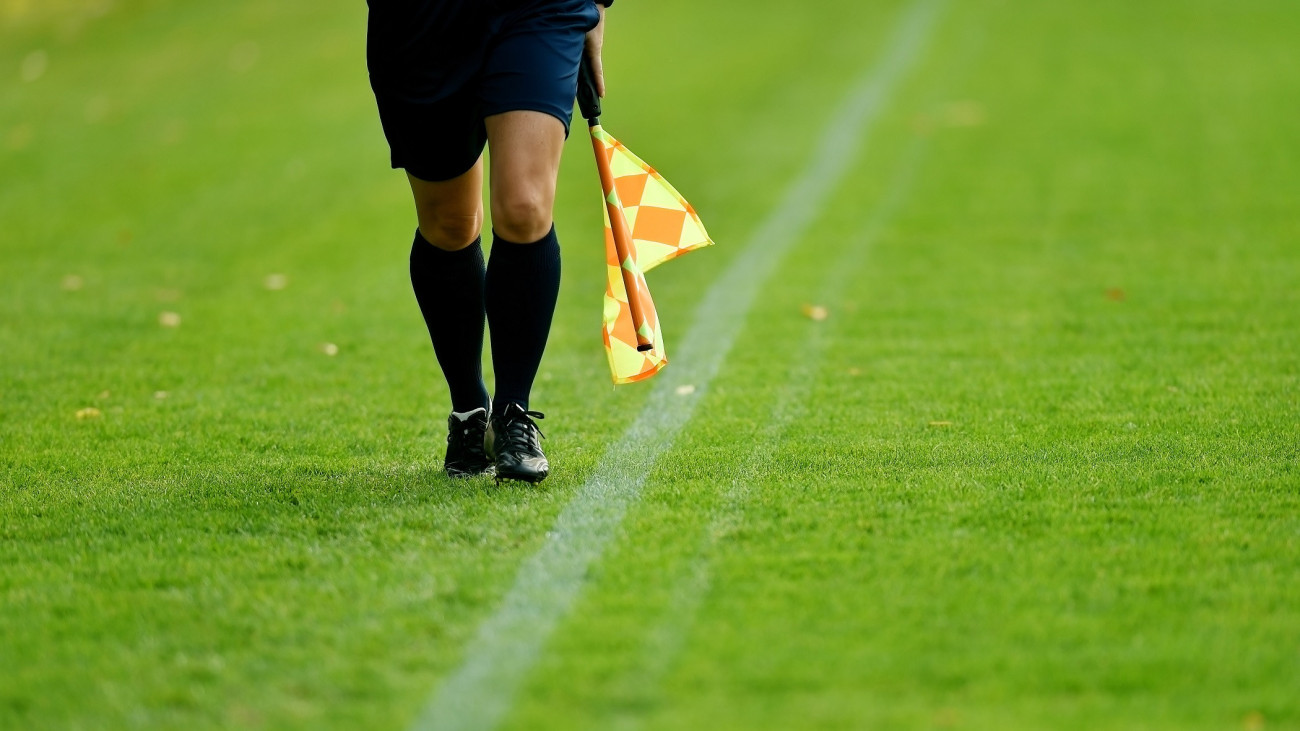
(450,212)
(525,149)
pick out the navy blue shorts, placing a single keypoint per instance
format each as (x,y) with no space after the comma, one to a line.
(439,67)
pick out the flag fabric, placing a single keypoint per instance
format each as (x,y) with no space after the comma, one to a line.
(647,222)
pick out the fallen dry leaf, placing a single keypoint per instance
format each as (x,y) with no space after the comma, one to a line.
(243,57)
(922,125)
(169,319)
(1115,294)
(90,412)
(97,108)
(172,131)
(33,66)
(160,395)
(964,113)
(72,283)
(21,136)
(941,423)
(814,312)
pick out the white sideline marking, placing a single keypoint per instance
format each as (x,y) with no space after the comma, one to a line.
(666,639)
(481,691)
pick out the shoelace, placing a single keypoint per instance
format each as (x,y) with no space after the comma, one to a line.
(516,435)
(461,437)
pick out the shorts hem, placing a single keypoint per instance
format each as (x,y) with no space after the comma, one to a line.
(565,119)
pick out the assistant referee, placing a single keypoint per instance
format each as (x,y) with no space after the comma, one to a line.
(450,76)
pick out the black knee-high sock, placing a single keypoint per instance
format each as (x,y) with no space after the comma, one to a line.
(523,282)
(449,287)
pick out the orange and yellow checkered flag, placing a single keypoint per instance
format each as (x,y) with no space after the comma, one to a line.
(647,222)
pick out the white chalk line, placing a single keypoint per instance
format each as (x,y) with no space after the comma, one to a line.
(480,692)
(667,638)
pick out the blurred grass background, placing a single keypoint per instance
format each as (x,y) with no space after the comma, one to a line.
(1042,472)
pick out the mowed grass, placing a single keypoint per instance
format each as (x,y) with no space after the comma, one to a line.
(1036,469)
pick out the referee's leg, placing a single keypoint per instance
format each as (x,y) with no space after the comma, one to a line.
(450,212)
(447,274)
(526,148)
(523,273)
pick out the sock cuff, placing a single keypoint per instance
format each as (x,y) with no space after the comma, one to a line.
(422,246)
(548,242)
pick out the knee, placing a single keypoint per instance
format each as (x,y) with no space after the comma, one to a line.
(521,215)
(450,232)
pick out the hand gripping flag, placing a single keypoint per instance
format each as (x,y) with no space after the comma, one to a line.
(647,222)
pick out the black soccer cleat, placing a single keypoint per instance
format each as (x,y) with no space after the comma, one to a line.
(466,434)
(513,444)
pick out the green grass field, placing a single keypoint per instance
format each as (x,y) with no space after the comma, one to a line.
(1037,468)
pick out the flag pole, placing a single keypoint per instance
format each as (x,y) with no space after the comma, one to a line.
(589,104)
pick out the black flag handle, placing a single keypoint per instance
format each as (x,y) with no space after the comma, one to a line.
(588,99)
